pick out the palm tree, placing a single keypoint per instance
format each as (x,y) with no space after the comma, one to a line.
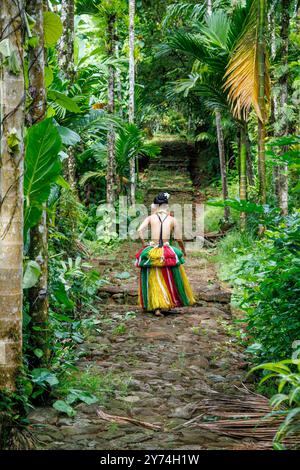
(210,47)
(11,193)
(131,91)
(38,252)
(247,80)
(221,146)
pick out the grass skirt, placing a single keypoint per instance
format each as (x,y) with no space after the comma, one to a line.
(163,282)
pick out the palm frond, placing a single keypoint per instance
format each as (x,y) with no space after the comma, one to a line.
(187,43)
(182,11)
(95,119)
(205,136)
(215,30)
(89,175)
(238,21)
(182,86)
(213,97)
(87,7)
(241,77)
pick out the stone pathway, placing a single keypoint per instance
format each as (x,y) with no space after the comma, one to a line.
(170,172)
(161,368)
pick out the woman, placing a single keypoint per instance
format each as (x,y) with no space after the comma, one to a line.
(163,283)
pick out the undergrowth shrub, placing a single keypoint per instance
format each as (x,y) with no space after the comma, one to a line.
(266,277)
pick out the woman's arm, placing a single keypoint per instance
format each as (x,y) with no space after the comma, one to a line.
(178,235)
(141,229)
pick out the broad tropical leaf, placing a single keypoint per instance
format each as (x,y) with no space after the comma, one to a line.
(64,101)
(42,167)
(52,28)
(68,136)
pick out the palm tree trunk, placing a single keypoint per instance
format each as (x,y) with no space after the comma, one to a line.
(38,297)
(118,81)
(261,101)
(243,175)
(274,110)
(67,66)
(111,158)
(209,7)
(131,92)
(222,163)
(249,162)
(11,194)
(281,114)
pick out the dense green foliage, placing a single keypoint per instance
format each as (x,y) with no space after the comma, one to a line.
(267,276)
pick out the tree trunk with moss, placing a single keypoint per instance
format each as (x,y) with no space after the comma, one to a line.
(67,66)
(131,93)
(281,116)
(222,159)
(221,146)
(261,101)
(243,176)
(12,101)
(38,294)
(66,42)
(249,161)
(111,158)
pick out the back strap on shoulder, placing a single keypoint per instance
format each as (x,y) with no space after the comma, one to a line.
(161,230)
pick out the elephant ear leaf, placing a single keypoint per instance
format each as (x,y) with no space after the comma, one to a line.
(42,167)
(53,28)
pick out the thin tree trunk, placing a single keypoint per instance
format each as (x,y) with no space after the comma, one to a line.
(222,163)
(67,66)
(243,175)
(131,92)
(209,7)
(250,170)
(111,158)
(281,115)
(274,99)
(221,146)
(118,81)
(12,101)
(261,100)
(38,294)
(66,43)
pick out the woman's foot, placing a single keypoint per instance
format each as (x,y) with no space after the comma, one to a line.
(158,313)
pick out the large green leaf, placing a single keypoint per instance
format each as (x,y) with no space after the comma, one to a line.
(52,28)
(42,167)
(31,274)
(68,136)
(64,101)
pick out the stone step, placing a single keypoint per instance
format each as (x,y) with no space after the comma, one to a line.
(127,295)
(171,164)
(169,159)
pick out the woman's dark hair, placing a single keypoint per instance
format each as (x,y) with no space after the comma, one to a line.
(161,198)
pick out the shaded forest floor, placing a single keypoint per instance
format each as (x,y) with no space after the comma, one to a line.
(170,372)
